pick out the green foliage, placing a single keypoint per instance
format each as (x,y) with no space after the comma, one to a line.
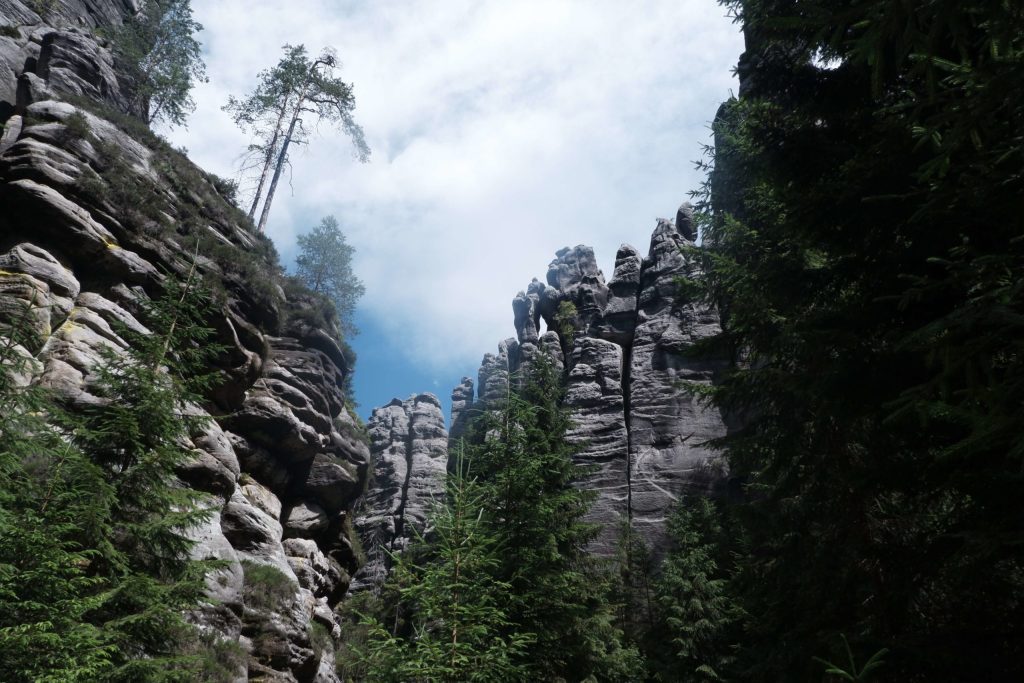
(42,7)
(126,193)
(54,512)
(634,585)
(854,673)
(267,587)
(325,267)
(216,660)
(297,91)
(865,226)
(456,610)
(566,319)
(349,532)
(696,610)
(359,615)
(226,187)
(320,638)
(76,126)
(559,592)
(95,580)
(10,32)
(161,58)
(502,588)
(194,204)
(135,435)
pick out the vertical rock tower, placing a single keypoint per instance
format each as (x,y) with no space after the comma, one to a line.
(409,447)
(630,381)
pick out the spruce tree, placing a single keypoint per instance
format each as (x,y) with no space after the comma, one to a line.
(135,434)
(696,611)
(54,512)
(559,591)
(95,579)
(456,625)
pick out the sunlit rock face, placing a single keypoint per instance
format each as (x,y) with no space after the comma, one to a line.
(409,449)
(281,458)
(629,379)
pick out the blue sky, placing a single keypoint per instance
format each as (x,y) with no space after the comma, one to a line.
(501,131)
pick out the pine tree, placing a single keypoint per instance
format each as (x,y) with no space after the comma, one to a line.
(296,92)
(456,612)
(559,591)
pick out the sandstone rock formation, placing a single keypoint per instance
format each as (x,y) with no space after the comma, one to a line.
(409,448)
(637,419)
(629,378)
(93,216)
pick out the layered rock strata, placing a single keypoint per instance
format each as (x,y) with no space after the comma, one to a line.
(94,214)
(409,449)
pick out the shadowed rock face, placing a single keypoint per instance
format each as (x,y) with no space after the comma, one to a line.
(284,460)
(409,448)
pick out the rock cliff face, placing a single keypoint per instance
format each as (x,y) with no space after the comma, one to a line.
(94,213)
(629,380)
(629,387)
(409,447)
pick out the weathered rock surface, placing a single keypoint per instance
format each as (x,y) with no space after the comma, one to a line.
(627,374)
(462,408)
(281,456)
(409,446)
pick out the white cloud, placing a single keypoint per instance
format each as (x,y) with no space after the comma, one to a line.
(501,131)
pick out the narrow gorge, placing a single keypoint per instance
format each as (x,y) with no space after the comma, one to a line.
(98,214)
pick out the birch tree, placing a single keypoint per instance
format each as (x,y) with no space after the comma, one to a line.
(289,100)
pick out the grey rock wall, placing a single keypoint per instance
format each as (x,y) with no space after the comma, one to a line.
(629,379)
(283,459)
(409,449)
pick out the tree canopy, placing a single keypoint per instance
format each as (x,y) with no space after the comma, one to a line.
(290,98)
(161,58)
(325,266)
(865,225)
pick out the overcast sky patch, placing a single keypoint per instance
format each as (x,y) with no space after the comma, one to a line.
(500,131)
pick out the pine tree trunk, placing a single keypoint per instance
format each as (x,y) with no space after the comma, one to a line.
(268,160)
(283,156)
(281,159)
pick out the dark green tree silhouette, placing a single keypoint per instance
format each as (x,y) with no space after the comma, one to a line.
(865,229)
(456,625)
(560,592)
